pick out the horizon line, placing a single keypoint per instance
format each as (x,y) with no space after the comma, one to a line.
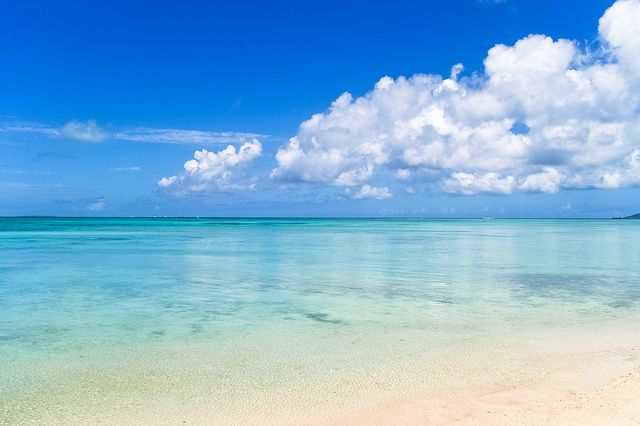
(318,217)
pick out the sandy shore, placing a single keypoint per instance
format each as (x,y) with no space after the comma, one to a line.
(580,388)
(588,375)
(593,389)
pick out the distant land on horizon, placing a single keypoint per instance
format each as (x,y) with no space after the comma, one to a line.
(633,216)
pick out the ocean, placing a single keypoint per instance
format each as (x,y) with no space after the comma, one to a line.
(107,319)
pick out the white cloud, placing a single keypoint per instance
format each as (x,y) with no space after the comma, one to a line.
(216,171)
(21,127)
(404,174)
(367,191)
(98,205)
(167,181)
(619,27)
(548,180)
(580,109)
(127,169)
(470,183)
(178,136)
(88,131)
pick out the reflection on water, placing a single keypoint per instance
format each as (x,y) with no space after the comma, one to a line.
(99,277)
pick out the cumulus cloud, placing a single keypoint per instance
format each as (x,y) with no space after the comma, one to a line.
(167,181)
(216,171)
(88,131)
(620,27)
(544,115)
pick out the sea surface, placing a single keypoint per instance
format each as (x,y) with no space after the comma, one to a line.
(100,317)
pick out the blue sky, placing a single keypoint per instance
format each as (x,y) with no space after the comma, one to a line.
(100,101)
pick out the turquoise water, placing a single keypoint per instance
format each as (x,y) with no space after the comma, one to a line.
(108,314)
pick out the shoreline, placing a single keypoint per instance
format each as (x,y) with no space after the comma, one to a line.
(564,383)
(602,388)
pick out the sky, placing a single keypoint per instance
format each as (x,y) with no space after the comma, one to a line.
(458,108)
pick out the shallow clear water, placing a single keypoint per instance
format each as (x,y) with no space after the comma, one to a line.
(239,312)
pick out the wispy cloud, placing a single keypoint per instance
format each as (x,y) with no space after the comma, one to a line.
(98,205)
(184,136)
(126,169)
(56,155)
(88,131)
(10,170)
(30,128)
(91,132)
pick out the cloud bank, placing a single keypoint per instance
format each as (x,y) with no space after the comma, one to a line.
(216,171)
(544,115)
